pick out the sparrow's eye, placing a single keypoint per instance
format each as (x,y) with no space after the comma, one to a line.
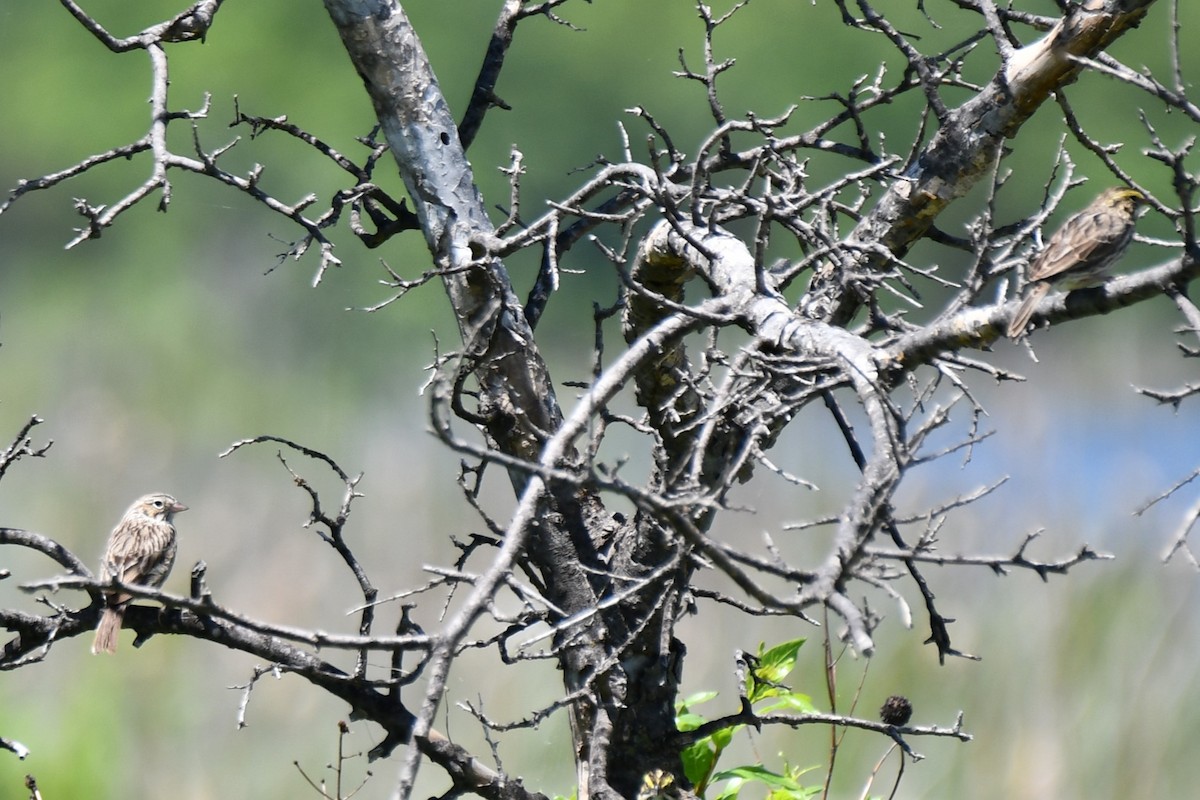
(158,503)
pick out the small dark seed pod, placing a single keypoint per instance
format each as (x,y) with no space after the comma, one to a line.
(896,710)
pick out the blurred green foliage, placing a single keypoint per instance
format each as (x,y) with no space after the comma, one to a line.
(152,349)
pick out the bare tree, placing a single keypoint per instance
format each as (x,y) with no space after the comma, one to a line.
(804,296)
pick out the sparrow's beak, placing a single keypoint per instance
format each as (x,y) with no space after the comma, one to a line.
(175,509)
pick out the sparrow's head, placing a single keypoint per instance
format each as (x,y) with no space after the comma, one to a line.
(156,506)
(1124,198)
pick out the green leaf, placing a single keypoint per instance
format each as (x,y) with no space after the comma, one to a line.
(798,793)
(698,760)
(791,701)
(723,737)
(772,667)
(731,790)
(754,772)
(694,700)
(788,781)
(777,663)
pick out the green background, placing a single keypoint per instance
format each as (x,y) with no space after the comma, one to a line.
(152,349)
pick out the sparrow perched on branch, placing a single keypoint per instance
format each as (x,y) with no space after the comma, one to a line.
(1082,251)
(140,550)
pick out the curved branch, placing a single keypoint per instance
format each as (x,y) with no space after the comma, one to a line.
(47,547)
